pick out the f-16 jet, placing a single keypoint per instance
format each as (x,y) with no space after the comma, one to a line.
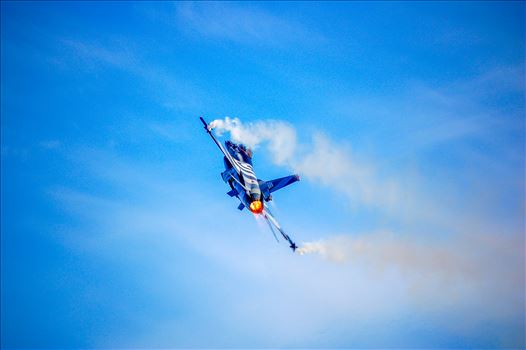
(251,192)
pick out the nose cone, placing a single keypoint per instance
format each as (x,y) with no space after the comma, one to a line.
(256,207)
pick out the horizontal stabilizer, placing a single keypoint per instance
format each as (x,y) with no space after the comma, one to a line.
(240,206)
(270,186)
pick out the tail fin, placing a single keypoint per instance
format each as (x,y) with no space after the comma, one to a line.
(267,187)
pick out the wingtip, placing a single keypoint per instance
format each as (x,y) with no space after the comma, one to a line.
(207,127)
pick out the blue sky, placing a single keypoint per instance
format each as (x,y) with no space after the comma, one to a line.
(405,121)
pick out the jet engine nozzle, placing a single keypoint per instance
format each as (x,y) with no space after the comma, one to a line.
(256,207)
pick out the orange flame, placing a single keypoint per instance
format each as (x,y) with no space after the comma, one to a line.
(256,207)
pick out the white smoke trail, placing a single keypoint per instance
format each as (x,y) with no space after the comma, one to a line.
(470,259)
(331,250)
(279,136)
(321,161)
(455,270)
(334,165)
(467,257)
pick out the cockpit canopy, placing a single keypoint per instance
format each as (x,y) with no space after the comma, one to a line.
(240,151)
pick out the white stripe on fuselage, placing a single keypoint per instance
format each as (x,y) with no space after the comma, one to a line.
(247,172)
(242,168)
(230,159)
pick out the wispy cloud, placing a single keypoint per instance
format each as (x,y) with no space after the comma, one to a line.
(118,56)
(422,115)
(447,146)
(242,23)
(170,91)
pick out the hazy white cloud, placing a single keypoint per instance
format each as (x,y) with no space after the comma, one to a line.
(383,278)
(379,278)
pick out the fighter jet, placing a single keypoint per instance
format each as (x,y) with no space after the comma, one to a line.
(246,187)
